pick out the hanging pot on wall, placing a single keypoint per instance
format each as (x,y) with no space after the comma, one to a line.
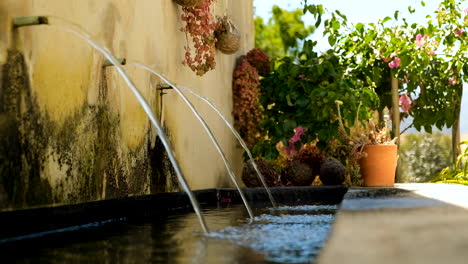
(189,3)
(379,166)
(227,36)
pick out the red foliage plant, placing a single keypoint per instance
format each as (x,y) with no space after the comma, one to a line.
(260,60)
(246,96)
(312,156)
(200,24)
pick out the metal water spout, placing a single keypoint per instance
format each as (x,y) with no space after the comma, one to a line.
(29,21)
(107,63)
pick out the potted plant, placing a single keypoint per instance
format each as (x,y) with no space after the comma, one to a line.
(373,153)
(379,160)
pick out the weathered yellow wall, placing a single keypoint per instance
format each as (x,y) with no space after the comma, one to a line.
(66,76)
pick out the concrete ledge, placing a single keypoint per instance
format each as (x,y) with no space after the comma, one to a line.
(411,223)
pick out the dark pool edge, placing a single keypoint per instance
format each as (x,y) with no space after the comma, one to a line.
(26,222)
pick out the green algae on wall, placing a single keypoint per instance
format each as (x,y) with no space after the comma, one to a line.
(23,140)
(79,159)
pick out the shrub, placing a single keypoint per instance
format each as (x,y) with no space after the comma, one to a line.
(247,110)
(423,156)
(301,91)
(458,173)
(260,61)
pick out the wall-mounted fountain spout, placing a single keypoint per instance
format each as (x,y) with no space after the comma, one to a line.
(108,63)
(161,87)
(29,21)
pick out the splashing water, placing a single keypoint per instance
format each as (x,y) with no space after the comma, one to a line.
(288,238)
(208,131)
(305,208)
(81,33)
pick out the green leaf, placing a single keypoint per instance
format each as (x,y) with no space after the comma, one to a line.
(289,126)
(319,20)
(302,102)
(386,19)
(359,27)
(336,25)
(423,4)
(331,40)
(395,15)
(341,15)
(288,100)
(411,9)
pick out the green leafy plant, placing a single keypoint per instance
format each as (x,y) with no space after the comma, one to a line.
(428,59)
(458,173)
(301,91)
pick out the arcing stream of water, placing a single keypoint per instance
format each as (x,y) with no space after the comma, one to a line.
(208,131)
(234,132)
(239,138)
(79,32)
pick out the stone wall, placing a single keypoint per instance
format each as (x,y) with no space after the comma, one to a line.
(72,131)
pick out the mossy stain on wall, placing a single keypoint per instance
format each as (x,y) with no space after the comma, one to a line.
(44,162)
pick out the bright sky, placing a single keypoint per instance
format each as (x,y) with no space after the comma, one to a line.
(364,11)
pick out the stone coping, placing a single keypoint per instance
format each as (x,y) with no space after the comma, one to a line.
(411,223)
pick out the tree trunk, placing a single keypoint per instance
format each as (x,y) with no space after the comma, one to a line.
(395,117)
(456,125)
(381,117)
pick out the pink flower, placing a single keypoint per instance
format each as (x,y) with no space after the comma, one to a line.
(466,10)
(405,103)
(290,150)
(395,63)
(299,131)
(431,52)
(421,40)
(459,31)
(452,80)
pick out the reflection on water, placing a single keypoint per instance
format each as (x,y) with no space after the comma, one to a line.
(287,234)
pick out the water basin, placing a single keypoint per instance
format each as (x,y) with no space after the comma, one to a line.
(286,234)
(289,234)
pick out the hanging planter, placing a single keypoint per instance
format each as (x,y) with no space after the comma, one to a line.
(189,3)
(227,36)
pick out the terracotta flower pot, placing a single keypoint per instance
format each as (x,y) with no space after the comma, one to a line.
(379,166)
